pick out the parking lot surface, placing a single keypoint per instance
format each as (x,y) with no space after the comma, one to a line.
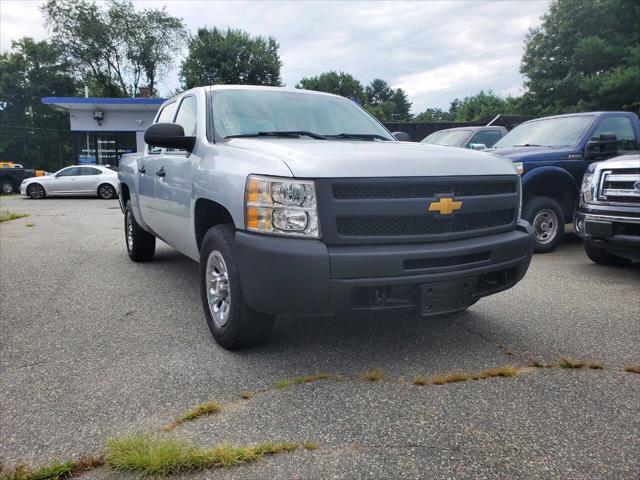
(95,346)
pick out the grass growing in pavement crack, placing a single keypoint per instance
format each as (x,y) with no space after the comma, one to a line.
(246,395)
(310,445)
(30,225)
(302,379)
(55,470)
(200,410)
(507,371)
(632,368)
(6,215)
(151,455)
(372,376)
(566,362)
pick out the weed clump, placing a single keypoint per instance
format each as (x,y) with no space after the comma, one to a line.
(200,410)
(7,215)
(151,455)
(507,371)
(56,470)
(632,369)
(372,376)
(302,379)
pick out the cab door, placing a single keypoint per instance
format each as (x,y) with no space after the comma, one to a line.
(147,167)
(174,182)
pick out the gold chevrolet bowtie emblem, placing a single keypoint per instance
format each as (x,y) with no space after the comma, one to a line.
(445,206)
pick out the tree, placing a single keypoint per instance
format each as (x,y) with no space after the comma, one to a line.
(481,106)
(431,115)
(117,48)
(387,104)
(338,83)
(231,57)
(584,56)
(32,133)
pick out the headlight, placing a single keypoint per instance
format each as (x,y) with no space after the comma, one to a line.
(519,166)
(586,190)
(281,206)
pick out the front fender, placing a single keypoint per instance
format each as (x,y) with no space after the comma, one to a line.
(550,176)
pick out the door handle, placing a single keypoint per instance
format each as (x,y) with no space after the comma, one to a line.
(161,172)
(142,169)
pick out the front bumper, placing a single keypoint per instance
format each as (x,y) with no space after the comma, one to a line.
(286,275)
(612,230)
(23,189)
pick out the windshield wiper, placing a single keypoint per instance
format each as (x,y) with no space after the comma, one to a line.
(530,145)
(288,133)
(359,136)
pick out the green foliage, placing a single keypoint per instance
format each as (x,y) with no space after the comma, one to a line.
(378,98)
(433,115)
(480,106)
(584,56)
(338,83)
(230,57)
(32,133)
(165,455)
(116,48)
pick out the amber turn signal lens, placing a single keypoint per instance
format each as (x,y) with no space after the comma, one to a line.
(252,191)
(252,217)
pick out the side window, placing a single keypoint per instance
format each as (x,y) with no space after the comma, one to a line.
(623,129)
(69,172)
(166,115)
(89,171)
(489,138)
(187,115)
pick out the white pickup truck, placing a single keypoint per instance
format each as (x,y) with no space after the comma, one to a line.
(301,202)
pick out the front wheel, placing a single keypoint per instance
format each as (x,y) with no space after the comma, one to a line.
(546,217)
(233,323)
(602,257)
(141,245)
(36,191)
(106,191)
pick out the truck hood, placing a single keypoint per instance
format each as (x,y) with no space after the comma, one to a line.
(346,158)
(523,154)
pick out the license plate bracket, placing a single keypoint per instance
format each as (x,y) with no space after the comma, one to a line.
(447,296)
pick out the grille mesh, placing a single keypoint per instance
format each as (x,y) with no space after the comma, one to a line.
(422,225)
(419,190)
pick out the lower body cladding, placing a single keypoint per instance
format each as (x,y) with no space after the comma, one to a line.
(617,232)
(299,276)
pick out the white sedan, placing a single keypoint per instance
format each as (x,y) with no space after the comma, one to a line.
(77,180)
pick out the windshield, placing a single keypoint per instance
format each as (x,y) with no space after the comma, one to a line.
(453,138)
(248,112)
(547,132)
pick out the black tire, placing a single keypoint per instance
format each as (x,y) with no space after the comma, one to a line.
(7,187)
(546,217)
(107,192)
(601,256)
(36,191)
(141,245)
(242,327)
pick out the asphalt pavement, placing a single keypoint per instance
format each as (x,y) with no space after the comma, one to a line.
(94,346)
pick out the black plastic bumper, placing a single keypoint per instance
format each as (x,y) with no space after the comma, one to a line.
(285,275)
(615,231)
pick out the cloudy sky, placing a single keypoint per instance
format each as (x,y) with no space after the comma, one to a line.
(435,50)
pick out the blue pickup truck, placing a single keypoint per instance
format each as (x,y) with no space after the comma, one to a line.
(552,154)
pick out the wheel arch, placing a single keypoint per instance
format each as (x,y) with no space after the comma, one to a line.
(207,214)
(553,182)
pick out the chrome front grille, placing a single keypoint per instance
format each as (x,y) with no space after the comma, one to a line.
(618,186)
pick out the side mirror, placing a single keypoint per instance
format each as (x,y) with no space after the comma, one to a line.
(402,136)
(477,146)
(606,146)
(168,135)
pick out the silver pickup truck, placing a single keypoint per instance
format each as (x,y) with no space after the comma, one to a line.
(301,202)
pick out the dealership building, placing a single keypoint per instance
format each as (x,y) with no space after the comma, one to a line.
(102,129)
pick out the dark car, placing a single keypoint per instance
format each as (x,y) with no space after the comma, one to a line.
(477,138)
